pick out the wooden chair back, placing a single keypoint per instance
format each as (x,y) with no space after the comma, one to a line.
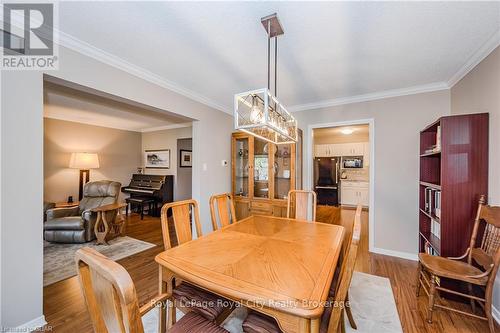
(485,250)
(222,209)
(346,271)
(300,201)
(109,293)
(183,214)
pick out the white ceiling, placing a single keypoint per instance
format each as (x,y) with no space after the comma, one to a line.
(71,105)
(331,51)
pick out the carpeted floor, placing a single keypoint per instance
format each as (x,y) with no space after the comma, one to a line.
(372,302)
(59,262)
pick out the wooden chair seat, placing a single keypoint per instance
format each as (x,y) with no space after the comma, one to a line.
(192,322)
(209,305)
(452,269)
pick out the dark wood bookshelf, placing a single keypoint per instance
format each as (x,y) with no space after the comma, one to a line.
(459,170)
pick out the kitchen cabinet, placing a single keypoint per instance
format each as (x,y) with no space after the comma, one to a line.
(354,193)
(321,151)
(353,149)
(340,149)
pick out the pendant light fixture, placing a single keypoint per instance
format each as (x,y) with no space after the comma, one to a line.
(259,112)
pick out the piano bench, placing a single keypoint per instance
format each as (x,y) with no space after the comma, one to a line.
(138,201)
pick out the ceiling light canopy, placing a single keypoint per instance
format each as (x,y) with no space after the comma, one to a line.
(259,112)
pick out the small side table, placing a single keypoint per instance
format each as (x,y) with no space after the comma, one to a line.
(103,228)
(67,204)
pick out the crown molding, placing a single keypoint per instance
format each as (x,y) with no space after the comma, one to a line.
(478,56)
(72,43)
(436,86)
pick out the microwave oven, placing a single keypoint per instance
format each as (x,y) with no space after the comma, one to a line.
(352,162)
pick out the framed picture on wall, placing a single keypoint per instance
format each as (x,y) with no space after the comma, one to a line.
(186,159)
(157,159)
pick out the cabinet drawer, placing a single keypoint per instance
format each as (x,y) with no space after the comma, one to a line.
(261,205)
(261,208)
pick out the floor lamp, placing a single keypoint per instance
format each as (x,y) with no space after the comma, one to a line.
(84,162)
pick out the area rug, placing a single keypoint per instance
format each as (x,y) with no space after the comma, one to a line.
(372,302)
(59,259)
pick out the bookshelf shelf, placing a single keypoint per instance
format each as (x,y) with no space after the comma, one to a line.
(431,216)
(431,154)
(433,241)
(434,186)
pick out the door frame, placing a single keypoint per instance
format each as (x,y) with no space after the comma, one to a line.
(309,155)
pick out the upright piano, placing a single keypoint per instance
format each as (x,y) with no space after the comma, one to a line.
(157,187)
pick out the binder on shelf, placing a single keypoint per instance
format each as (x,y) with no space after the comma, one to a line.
(437,204)
(436,228)
(428,200)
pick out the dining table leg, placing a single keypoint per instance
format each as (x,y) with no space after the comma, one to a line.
(168,313)
(163,288)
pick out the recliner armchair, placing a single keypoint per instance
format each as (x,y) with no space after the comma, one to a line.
(76,224)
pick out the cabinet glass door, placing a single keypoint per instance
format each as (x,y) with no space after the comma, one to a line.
(241,167)
(261,168)
(282,171)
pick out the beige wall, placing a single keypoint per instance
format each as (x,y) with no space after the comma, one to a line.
(167,139)
(119,155)
(479,91)
(397,122)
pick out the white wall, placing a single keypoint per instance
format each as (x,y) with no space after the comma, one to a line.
(397,122)
(167,139)
(479,91)
(21,198)
(22,165)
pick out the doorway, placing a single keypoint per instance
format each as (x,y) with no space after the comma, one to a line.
(345,170)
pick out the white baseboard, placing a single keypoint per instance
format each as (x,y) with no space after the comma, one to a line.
(496,314)
(31,325)
(403,255)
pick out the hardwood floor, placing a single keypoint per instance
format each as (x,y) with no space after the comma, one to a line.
(65,310)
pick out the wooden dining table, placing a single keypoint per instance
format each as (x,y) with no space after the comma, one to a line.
(277,266)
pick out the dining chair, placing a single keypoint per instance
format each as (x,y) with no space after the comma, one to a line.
(222,209)
(112,300)
(337,304)
(298,204)
(188,297)
(480,268)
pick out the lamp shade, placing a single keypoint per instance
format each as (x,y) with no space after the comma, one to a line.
(84,161)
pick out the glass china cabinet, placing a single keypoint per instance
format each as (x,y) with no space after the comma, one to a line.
(263,173)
